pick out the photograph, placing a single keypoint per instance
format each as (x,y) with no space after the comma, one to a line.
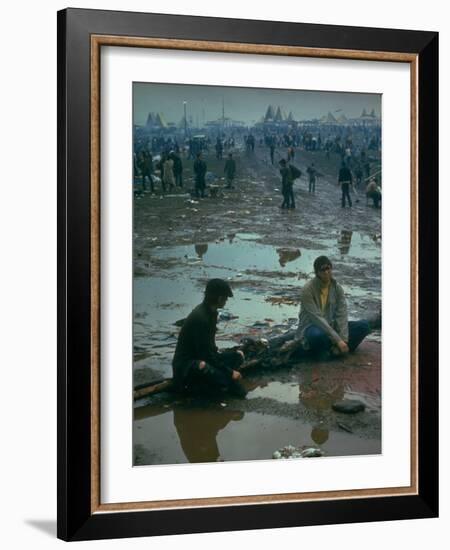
(239,346)
(257,273)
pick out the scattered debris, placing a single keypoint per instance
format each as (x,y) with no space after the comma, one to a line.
(227,316)
(288,255)
(290,452)
(349,406)
(283,300)
(345,427)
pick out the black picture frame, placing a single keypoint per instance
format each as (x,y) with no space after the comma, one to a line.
(76,519)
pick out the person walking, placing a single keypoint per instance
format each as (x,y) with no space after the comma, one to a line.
(346,180)
(287,185)
(219,148)
(200,169)
(312,174)
(177,170)
(272,150)
(230,171)
(168,177)
(145,165)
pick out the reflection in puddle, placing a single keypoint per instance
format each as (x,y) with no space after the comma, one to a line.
(344,241)
(178,434)
(288,255)
(201,249)
(173,432)
(198,431)
(242,252)
(239,255)
(248,236)
(284,393)
(320,435)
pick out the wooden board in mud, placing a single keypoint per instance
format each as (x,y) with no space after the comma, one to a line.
(261,354)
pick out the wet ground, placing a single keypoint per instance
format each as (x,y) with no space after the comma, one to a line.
(266,254)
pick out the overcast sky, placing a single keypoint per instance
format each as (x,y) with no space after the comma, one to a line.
(246,104)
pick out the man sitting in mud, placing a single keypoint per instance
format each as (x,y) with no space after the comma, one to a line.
(198,366)
(373,192)
(323,325)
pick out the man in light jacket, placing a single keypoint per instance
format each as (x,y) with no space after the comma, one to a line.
(323,321)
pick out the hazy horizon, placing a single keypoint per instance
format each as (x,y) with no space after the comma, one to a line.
(204,103)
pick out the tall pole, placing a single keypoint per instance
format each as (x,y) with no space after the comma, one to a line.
(223,115)
(185,120)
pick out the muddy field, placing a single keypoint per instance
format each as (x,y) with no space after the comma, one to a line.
(266,254)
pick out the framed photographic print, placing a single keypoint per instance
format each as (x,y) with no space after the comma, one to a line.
(247,274)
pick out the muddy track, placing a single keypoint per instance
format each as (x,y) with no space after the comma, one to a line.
(266,254)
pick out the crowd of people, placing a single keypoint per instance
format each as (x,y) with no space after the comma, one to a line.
(355,147)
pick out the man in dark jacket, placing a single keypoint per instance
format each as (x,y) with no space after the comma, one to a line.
(312,173)
(145,165)
(177,169)
(200,172)
(287,185)
(345,179)
(230,171)
(219,148)
(198,366)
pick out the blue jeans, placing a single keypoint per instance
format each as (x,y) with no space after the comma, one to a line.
(318,340)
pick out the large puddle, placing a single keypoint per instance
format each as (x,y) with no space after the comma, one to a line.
(266,282)
(180,434)
(295,408)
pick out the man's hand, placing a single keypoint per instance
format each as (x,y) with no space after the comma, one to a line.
(236,375)
(289,346)
(343,348)
(202,365)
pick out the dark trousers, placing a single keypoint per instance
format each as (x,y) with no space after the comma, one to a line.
(229,180)
(312,186)
(215,379)
(376,197)
(179,179)
(200,188)
(150,179)
(288,197)
(346,193)
(318,340)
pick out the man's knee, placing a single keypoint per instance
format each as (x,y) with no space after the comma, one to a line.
(232,359)
(317,338)
(359,327)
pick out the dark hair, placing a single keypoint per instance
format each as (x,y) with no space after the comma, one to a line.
(215,288)
(320,262)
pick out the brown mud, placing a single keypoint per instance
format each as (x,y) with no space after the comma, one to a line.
(266,254)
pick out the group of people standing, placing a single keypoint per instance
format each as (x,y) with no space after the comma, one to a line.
(170,165)
(289,173)
(171,169)
(200,169)
(373,190)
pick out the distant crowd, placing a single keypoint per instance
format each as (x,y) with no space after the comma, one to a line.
(160,160)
